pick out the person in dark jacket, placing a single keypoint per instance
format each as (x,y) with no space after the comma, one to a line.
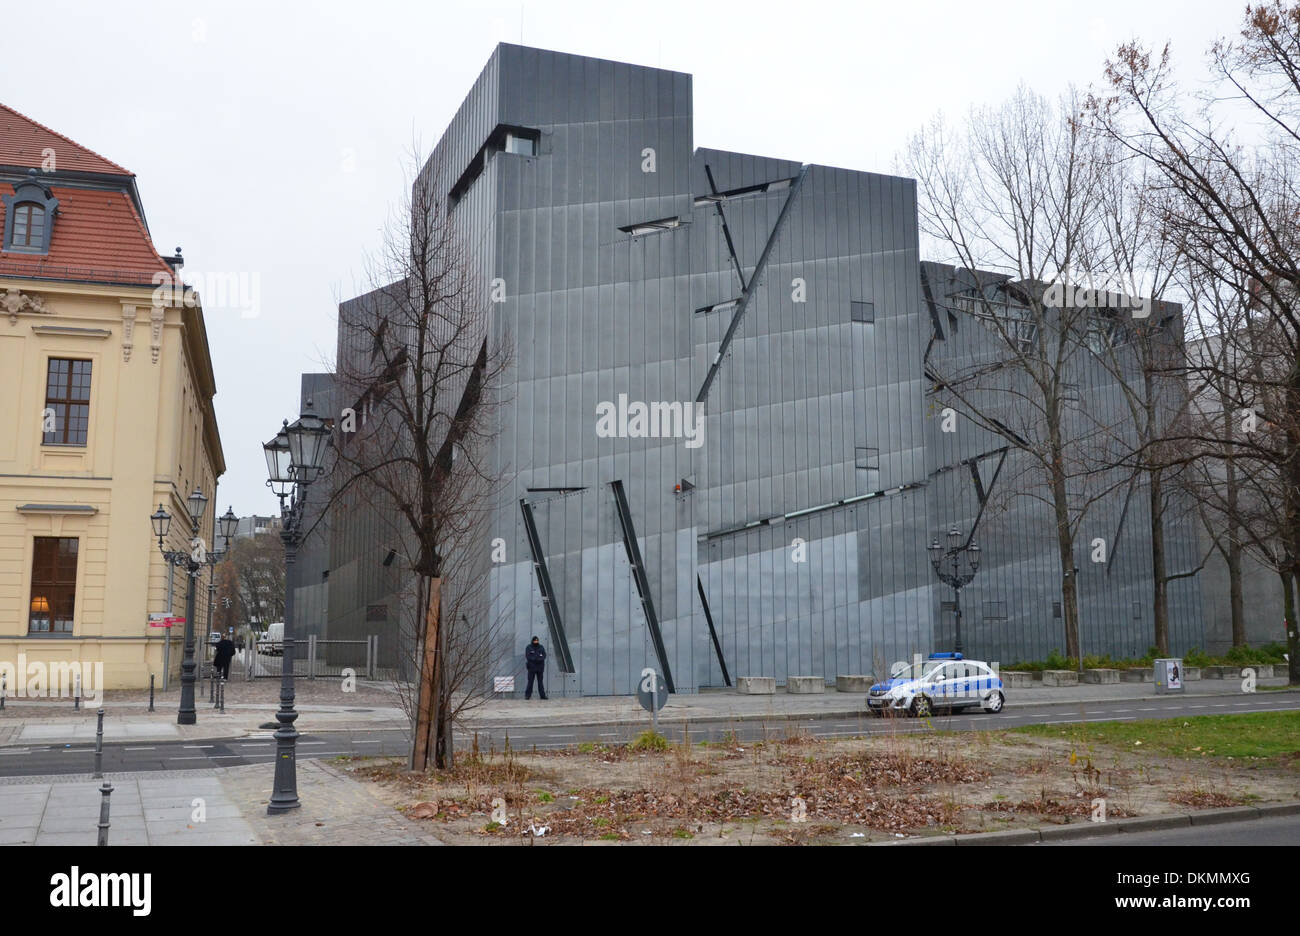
(535,655)
(225,652)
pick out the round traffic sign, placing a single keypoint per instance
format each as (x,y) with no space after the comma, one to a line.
(651,691)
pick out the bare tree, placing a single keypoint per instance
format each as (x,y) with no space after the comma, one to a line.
(1146,356)
(1011,199)
(252,575)
(1230,171)
(418,356)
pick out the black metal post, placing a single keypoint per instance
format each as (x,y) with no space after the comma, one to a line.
(99,746)
(76,691)
(284,797)
(4,690)
(105,792)
(187,715)
(957,608)
(151,692)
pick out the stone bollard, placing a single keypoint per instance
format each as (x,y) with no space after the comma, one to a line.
(1101,676)
(805,685)
(151,692)
(756,685)
(853,683)
(105,792)
(99,746)
(1060,677)
(1016,679)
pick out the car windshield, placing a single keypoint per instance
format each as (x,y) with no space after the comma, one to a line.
(920,670)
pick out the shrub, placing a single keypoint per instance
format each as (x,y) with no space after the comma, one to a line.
(649,741)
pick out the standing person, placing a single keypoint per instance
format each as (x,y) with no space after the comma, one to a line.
(535,655)
(225,652)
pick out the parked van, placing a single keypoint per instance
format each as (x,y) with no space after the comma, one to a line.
(272,641)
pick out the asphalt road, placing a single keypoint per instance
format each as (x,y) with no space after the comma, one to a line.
(53,759)
(1270,830)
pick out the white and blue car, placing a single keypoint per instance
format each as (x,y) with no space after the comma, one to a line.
(943,681)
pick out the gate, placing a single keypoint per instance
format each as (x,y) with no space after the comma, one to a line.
(313,657)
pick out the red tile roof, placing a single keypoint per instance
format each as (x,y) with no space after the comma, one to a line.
(23,140)
(97,236)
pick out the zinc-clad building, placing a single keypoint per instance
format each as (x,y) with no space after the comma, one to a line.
(644,279)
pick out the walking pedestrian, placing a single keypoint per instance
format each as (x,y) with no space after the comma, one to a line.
(225,652)
(535,656)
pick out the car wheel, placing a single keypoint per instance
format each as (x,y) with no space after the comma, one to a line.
(921,707)
(994,702)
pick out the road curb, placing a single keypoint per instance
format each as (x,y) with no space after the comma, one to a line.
(1200,817)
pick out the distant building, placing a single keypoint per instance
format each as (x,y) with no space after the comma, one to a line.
(256,525)
(111,385)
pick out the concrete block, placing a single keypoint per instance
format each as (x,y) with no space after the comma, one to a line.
(853,683)
(1017,680)
(1191,673)
(1215,672)
(805,685)
(1060,677)
(756,685)
(1264,670)
(1137,675)
(1102,677)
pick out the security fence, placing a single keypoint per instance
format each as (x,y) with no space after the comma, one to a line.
(312,658)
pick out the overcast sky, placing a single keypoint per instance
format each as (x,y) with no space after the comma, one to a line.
(269,138)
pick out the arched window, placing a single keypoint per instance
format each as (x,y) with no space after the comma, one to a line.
(29,225)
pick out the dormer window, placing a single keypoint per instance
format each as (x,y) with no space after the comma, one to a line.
(29,226)
(29,216)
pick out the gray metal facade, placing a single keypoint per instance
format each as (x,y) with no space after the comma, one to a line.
(784,297)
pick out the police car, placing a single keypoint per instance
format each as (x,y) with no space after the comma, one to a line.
(944,680)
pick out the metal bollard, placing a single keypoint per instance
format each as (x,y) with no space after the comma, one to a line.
(99,747)
(211,688)
(76,691)
(105,792)
(151,692)
(4,689)
(221,694)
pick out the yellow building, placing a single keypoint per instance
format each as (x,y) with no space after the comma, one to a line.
(107,384)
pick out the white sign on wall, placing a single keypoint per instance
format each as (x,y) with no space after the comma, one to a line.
(503,684)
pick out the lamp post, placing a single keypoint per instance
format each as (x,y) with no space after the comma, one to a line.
(948,565)
(294,459)
(192,562)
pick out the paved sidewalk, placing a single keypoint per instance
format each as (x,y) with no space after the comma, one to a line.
(223,806)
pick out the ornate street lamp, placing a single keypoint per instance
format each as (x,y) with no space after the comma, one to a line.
(956,567)
(193,562)
(294,459)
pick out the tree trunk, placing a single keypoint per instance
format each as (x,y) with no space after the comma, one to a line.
(1065,548)
(1292,631)
(426,709)
(1159,576)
